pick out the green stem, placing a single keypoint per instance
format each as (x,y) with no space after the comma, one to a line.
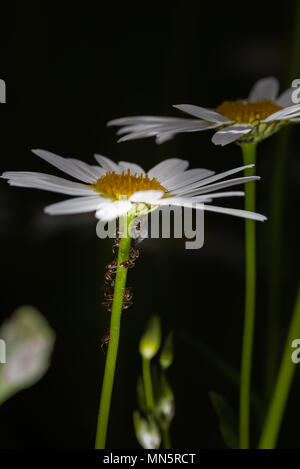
(110,365)
(285,376)
(249,154)
(166,438)
(148,383)
(276,225)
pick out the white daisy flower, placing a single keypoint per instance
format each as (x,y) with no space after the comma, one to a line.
(247,121)
(114,189)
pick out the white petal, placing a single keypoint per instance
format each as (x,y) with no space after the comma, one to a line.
(266,88)
(148,197)
(134,168)
(164,138)
(198,126)
(186,178)
(222,175)
(67,165)
(132,120)
(107,163)
(46,182)
(230,134)
(113,210)
(236,212)
(202,113)
(218,195)
(168,167)
(286,113)
(212,208)
(189,125)
(168,123)
(92,172)
(219,185)
(285,99)
(76,205)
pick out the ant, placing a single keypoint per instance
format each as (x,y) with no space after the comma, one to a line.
(105,341)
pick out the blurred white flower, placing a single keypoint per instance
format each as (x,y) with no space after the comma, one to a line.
(247,121)
(29,343)
(146,431)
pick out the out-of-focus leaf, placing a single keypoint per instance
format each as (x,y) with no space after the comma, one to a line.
(223,367)
(29,342)
(227,420)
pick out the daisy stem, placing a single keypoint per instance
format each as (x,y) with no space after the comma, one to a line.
(109,373)
(148,383)
(249,156)
(276,223)
(166,438)
(285,377)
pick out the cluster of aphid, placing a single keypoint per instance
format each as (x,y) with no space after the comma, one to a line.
(110,273)
(111,270)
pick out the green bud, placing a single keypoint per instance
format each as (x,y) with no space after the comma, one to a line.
(167,354)
(165,404)
(146,431)
(151,339)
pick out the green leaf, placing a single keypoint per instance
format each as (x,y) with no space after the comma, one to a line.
(227,420)
(224,368)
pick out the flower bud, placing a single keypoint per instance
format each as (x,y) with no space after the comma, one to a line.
(165,405)
(151,339)
(167,354)
(146,431)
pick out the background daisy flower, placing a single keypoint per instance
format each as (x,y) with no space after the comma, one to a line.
(245,120)
(115,189)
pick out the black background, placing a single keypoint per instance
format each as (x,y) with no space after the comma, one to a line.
(70,68)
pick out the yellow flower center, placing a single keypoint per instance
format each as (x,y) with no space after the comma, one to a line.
(247,113)
(122,186)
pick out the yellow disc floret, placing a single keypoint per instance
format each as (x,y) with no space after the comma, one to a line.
(247,112)
(119,186)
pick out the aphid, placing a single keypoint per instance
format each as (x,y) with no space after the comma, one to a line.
(111,270)
(127,298)
(116,244)
(133,256)
(105,341)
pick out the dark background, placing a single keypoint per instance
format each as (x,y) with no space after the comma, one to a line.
(69,69)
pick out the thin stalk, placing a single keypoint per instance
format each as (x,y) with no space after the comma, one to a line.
(284,381)
(277,196)
(249,156)
(148,383)
(115,322)
(166,438)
